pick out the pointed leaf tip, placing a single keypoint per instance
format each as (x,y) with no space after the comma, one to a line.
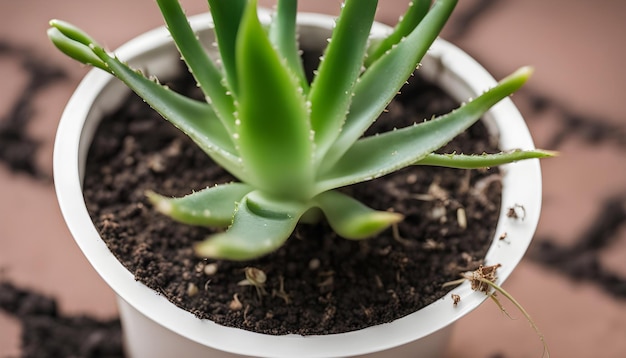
(353,220)
(206,249)
(521,74)
(160,203)
(366,226)
(526,70)
(212,206)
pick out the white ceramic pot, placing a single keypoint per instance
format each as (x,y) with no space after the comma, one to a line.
(154,327)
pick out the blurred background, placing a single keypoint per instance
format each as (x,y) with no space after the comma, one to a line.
(573,279)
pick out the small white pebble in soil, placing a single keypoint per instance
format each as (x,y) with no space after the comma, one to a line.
(411,179)
(210,269)
(438,213)
(461,218)
(192,289)
(314,264)
(235,304)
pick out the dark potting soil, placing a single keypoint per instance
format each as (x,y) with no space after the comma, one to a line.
(317,283)
(48,333)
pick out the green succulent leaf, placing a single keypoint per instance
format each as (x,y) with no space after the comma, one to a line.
(351,219)
(476,161)
(213,207)
(283,35)
(200,65)
(72,32)
(273,131)
(194,118)
(332,87)
(375,156)
(382,81)
(411,18)
(260,226)
(227,17)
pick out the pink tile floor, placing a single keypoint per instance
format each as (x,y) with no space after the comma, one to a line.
(577,48)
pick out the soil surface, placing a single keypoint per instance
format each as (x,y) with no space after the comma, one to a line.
(317,283)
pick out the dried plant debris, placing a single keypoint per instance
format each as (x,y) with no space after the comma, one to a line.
(17,148)
(480,278)
(484,280)
(455,299)
(257,278)
(580,261)
(517,212)
(48,333)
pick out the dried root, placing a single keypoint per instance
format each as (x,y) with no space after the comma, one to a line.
(257,278)
(483,280)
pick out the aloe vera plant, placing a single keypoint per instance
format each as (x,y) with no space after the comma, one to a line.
(292,143)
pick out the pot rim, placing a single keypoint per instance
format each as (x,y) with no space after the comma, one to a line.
(451,66)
